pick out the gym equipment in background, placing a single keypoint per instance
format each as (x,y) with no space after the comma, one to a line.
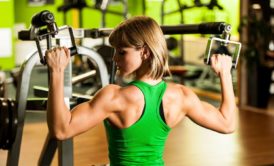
(180,10)
(181,7)
(39,21)
(103,7)
(100,5)
(222,46)
(218,45)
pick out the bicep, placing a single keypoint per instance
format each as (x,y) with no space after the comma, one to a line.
(204,113)
(88,114)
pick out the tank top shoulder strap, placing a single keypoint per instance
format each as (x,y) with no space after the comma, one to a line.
(153,93)
(143,85)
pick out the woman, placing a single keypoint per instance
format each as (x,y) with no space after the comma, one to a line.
(139,116)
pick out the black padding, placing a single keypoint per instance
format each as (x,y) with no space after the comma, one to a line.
(4,124)
(13,115)
(8,123)
(2,88)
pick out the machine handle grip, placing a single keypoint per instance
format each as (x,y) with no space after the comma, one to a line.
(73,50)
(24,35)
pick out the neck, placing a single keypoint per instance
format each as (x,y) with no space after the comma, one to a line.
(149,80)
(141,74)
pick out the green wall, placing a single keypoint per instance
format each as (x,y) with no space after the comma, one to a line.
(7,21)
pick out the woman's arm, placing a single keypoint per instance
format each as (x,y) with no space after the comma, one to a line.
(218,119)
(62,122)
(58,113)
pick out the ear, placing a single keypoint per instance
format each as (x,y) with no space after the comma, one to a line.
(145,53)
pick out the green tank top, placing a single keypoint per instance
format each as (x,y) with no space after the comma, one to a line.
(143,142)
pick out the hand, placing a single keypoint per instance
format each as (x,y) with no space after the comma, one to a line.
(221,64)
(57,58)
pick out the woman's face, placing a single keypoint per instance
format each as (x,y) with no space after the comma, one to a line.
(128,60)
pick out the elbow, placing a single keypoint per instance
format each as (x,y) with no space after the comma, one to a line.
(59,131)
(59,135)
(229,129)
(229,125)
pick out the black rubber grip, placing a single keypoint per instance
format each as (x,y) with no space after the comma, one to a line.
(73,51)
(24,35)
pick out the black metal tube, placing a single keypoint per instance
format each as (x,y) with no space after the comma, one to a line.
(203,28)
(97,33)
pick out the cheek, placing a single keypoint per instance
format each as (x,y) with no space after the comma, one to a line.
(128,68)
(133,63)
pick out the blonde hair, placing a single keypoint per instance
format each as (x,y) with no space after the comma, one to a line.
(142,31)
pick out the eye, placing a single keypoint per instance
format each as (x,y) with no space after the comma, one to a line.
(120,52)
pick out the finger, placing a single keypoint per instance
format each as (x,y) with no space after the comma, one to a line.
(213,59)
(47,52)
(58,50)
(218,57)
(67,51)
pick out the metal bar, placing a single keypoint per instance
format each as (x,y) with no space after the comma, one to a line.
(65,153)
(82,77)
(125,11)
(203,28)
(95,57)
(65,147)
(48,151)
(21,96)
(163,11)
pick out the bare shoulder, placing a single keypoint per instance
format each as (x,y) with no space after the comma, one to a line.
(175,101)
(178,90)
(130,95)
(113,90)
(117,97)
(108,92)
(179,97)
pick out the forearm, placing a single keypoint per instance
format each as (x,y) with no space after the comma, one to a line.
(58,114)
(228,104)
